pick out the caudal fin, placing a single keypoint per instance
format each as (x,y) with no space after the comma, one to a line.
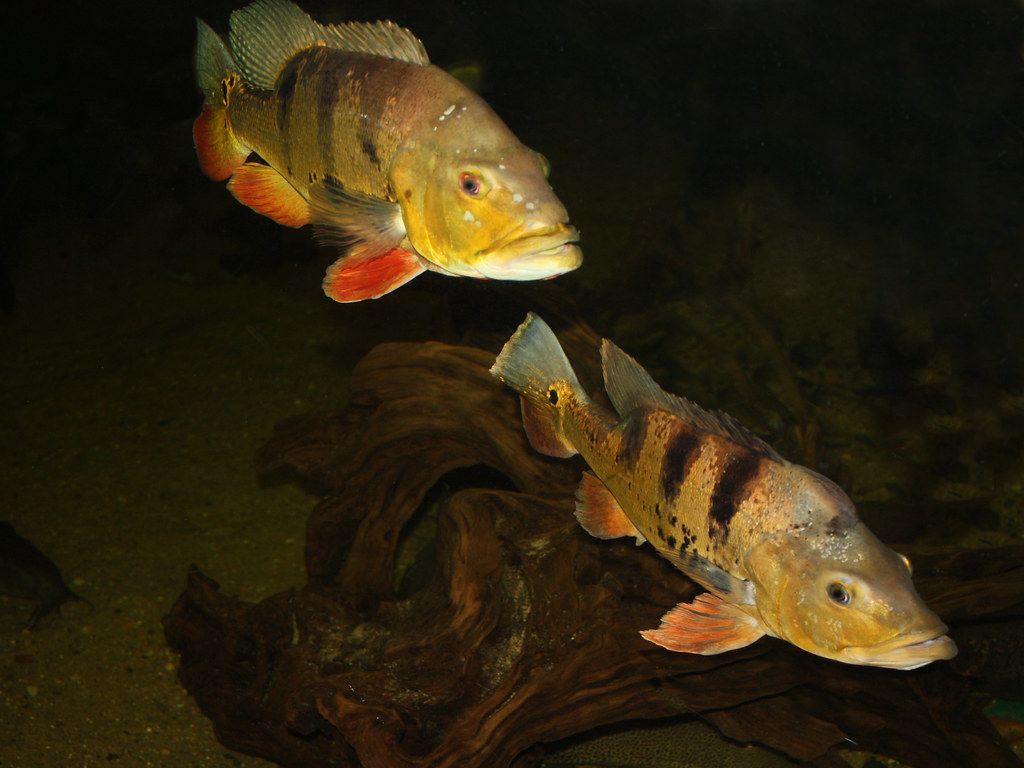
(532,363)
(219,151)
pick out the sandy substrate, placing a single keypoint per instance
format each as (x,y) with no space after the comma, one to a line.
(137,389)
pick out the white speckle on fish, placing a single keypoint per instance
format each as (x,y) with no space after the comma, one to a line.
(501,166)
(530,206)
(468,216)
(449,110)
(478,223)
(516,198)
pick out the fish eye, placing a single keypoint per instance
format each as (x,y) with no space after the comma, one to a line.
(545,166)
(838,593)
(470,184)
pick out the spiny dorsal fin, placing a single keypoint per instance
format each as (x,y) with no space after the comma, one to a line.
(630,387)
(266,34)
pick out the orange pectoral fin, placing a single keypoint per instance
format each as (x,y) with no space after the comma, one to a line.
(707,626)
(268,192)
(600,514)
(219,153)
(358,277)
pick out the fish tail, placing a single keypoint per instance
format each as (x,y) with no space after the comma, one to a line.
(219,150)
(533,363)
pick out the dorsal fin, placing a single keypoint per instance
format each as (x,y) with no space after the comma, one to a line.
(630,387)
(266,34)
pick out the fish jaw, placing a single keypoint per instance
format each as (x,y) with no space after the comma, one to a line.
(906,652)
(533,254)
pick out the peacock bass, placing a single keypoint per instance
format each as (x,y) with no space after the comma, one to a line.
(350,128)
(778,547)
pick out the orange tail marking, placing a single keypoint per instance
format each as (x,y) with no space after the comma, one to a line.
(219,153)
(600,514)
(358,277)
(707,626)
(268,192)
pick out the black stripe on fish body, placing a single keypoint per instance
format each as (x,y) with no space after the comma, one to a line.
(634,433)
(373,107)
(331,76)
(731,488)
(285,93)
(366,144)
(682,450)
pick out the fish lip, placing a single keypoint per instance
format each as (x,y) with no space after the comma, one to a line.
(539,254)
(561,232)
(907,651)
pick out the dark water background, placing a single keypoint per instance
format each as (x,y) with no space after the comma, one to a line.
(806,214)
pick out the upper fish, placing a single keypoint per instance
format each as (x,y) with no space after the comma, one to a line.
(778,547)
(350,128)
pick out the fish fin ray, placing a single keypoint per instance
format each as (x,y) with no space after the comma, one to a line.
(213,62)
(370,275)
(600,514)
(707,626)
(629,387)
(716,580)
(265,34)
(532,360)
(344,217)
(266,191)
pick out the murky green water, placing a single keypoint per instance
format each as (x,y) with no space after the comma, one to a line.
(806,215)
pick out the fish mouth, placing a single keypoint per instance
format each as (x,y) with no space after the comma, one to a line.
(533,255)
(907,651)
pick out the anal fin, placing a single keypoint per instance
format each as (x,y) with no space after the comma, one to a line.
(361,276)
(268,192)
(600,514)
(707,626)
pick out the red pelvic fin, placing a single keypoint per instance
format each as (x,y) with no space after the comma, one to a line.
(600,514)
(219,153)
(369,276)
(268,192)
(707,626)
(539,423)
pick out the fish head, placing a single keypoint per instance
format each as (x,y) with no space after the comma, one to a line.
(485,214)
(829,586)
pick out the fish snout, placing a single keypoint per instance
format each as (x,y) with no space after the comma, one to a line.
(536,251)
(906,651)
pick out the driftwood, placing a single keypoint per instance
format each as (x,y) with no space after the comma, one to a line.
(527,631)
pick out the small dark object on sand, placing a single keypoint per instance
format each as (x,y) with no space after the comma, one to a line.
(27,573)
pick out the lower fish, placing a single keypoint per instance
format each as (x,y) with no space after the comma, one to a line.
(778,547)
(27,573)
